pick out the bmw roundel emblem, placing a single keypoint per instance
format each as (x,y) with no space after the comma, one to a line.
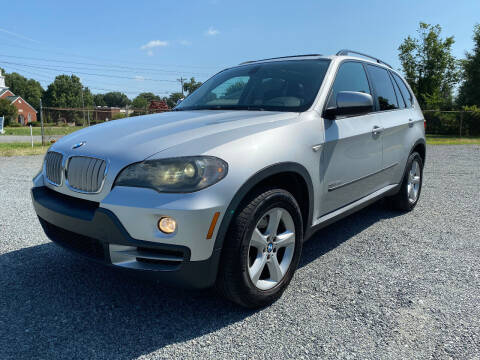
(270,247)
(76,146)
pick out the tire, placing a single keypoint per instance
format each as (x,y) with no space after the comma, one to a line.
(240,277)
(403,200)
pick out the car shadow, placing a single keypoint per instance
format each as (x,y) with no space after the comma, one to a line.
(328,238)
(57,305)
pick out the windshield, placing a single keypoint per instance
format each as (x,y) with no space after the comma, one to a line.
(272,86)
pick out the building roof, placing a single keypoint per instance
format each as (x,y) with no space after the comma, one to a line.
(12,98)
(3,90)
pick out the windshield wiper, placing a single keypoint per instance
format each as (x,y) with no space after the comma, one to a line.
(224,107)
(255,108)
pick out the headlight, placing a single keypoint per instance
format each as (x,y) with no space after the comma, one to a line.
(183,174)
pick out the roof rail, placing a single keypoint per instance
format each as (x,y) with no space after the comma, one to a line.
(346,52)
(281,57)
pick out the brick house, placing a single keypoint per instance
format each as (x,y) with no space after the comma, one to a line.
(105,113)
(26,112)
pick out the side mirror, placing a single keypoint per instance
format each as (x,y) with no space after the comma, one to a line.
(350,103)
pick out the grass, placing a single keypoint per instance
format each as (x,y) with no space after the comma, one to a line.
(452,140)
(22,149)
(49,130)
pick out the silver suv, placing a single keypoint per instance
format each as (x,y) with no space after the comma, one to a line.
(223,191)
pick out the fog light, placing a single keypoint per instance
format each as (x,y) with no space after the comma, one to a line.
(167,225)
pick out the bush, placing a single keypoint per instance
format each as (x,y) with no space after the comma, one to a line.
(14,124)
(439,123)
(443,123)
(118,116)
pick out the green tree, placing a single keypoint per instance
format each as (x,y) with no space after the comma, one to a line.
(98,100)
(8,111)
(68,92)
(173,99)
(88,98)
(234,88)
(191,86)
(143,100)
(64,91)
(469,92)
(28,89)
(140,103)
(116,99)
(429,66)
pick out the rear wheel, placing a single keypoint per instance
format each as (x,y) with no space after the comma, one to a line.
(411,186)
(262,249)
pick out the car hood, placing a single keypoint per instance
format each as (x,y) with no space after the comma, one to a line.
(137,138)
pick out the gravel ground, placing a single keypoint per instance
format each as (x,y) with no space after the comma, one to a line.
(377,284)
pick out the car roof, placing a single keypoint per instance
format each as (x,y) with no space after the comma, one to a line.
(344,54)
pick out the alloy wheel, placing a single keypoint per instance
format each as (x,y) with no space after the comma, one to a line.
(413,185)
(271,248)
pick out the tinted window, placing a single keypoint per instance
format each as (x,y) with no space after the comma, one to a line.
(407,96)
(350,77)
(276,86)
(228,92)
(401,102)
(383,88)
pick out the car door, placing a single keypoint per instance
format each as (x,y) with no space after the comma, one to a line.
(352,154)
(395,117)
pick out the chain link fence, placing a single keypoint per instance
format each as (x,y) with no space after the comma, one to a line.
(459,123)
(58,122)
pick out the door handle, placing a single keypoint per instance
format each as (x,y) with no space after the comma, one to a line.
(316,148)
(410,122)
(377,130)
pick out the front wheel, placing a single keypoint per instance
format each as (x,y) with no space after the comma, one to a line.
(262,249)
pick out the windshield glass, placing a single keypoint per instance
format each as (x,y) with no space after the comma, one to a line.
(272,86)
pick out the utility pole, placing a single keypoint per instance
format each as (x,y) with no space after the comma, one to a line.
(181,80)
(41,123)
(83,107)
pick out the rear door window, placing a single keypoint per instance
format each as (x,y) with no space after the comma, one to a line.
(401,101)
(383,86)
(407,96)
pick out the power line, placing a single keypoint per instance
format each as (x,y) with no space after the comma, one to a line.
(85,73)
(109,67)
(110,61)
(181,80)
(45,82)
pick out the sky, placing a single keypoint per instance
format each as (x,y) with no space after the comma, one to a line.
(137,46)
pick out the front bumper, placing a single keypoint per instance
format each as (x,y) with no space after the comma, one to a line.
(95,232)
